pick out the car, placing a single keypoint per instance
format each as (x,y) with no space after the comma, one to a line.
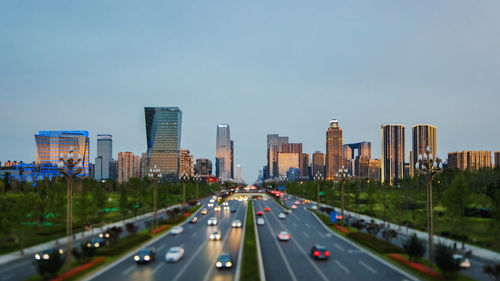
(226,208)
(204,211)
(287,211)
(462,261)
(297,202)
(259,213)
(267,209)
(48,254)
(224,261)
(282,216)
(174,254)
(260,221)
(265,199)
(236,224)
(145,255)
(225,204)
(193,220)
(177,230)
(212,221)
(294,207)
(104,235)
(95,243)
(215,236)
(210,205)
(233,210)
(319,252)
(284,236)
(314,207)
(217,208)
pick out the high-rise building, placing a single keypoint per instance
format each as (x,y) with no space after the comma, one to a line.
(223,152)
(129,166)
(306,166)
(293,148)
(203,167)
(232,159)
(163,132)
(238,174)
(50,144)
(318,163)
(287,161)
(274,145)
(423,136)
(374,169)
(393,152)
(469,160)
(144,165)
(334,159)
(497,158)
(186,163)
(104,159)
(357,157)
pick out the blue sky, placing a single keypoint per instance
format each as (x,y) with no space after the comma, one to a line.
(284,67)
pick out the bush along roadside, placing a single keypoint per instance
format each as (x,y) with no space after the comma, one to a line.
(250,271)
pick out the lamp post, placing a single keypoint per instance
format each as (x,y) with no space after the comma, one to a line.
(342,175)
(69,168)
(429,168)
(318,177)
(197,180)
(155,174)
(184,178)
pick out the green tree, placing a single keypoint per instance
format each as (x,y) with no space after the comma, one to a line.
(100,198)
(456,199)
(414,247)
(445,262)
(123,203)
(371,197)
(84,208)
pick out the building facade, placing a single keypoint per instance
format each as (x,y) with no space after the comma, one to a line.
(223,151)
(423,135)
(186,163)
(287,161)
(129,166)
(334,158)
(203,167)
(318,163)
(357,157)
(274,145)
(497,158)
(393,152)
(232,159)
(293,148)
(469,160)
(163,133)
(306,166)
(238,174)
(104,160)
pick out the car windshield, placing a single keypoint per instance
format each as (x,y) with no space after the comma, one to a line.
(320,248)
(173,250)
(144,252)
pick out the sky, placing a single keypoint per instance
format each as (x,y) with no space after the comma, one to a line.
(263,67)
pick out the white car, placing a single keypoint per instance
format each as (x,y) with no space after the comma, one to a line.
(287,211)
(217,208)
(174,254)
(215,236)
(225,204)
(462,261)
(282,216)
(177,230)
(284,236)
(236,224)
(314,207)
(210,205)
(212,221)
(261,221)
(226,208)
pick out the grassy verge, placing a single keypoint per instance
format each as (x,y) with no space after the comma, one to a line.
(279,202)
(249,272)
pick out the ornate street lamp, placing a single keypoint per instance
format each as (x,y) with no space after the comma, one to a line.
(429,168)
(342,175)
(155,174)
(184,178)
(69,168)
(318,177)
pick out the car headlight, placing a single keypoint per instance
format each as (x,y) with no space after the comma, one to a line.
(137,258)
(107,235)
(96,245)
(37,256)
(61,251)
(46,256)
(146,258)
(89,245)
(100,235)
(229,264)
(218,264)
(218,237)
(211,237)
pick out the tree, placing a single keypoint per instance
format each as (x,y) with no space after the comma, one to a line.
(123,204)
(445,262)
(414,247)
(455,200)
(83,204)
(100,199)
(371,197)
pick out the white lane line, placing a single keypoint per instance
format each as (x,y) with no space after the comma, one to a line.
(338,247)
(298,217)
(305,234)
(194,234)
(128,270)
(367,267)
(10,267)
(308,225)
(296,225)
(321,234)
(285,260)
(339,264)
(157,267)
(161,247)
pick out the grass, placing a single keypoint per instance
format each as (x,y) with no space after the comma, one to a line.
(249,272)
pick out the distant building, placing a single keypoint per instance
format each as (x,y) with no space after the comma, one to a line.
(293,148)
(104,160)
(469,160)
(306,166)
(144,165)
(374,169)
(232,159)
(293,174)
(287,161)
(129,166)
(393,152)
(223,152)
(318,163)
(163,133)
(334,159)
(186,163)
(219,166)
(357,157)
(238,174)
(274,145)
(497,158)
(203,167)
(423,136)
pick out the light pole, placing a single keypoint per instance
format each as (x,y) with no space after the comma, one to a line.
(69,168)
(184,178)
(318,177)
(155,174)
(197,180)
(429,168)
(342,175)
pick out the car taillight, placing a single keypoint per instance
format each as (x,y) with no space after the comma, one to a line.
(281,236)
(327,253)
(316,253)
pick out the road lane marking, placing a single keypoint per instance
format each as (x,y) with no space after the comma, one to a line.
(194,234)
(296,225)
(285,260)
(321,234)
(367,267)
(305,234)
(339,264)
(338,247)
(308,225)
(157,267)
(161,247)
(128,270)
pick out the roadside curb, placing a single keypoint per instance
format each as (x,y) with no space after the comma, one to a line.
(259,253)
(240,254)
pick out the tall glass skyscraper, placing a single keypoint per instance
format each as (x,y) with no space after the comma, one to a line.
(333,157)
(423,135)
(223,151)
(393,152)
(163,133)
(104,160)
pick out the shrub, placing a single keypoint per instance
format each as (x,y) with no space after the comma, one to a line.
(388,234)
(445,262)
(131,228)
(374,243)
(414,247)
(83,253)
(123,244)
(492,270)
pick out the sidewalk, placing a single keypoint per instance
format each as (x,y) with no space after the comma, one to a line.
(61,242)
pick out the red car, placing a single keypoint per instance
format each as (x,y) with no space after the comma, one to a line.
(267,209)
(260,213)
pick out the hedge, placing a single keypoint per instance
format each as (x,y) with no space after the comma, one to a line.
(123,244)
(374,243)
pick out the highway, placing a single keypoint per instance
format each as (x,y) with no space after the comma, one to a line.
(291,260)
(200,253)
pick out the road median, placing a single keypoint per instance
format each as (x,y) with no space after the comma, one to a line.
(251,270)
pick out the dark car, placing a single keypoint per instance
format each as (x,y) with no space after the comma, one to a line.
(319,252)
(145,255)
(224,261)
(48,254)
(233,210)
(95,243)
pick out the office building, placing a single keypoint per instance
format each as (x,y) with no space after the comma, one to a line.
(393,152)
(203,167)
(334,158)
(163,133)
(423,136)
(223,152)
(232,159)
(238,174)
(144,165)
(287,161)
(129,166)
(374,169)
(469,160)
(318,164)
(293,148)
(50,145)
(186,163)
(104,159)
(497,158)
(357,157)
(274,145)
(306,166)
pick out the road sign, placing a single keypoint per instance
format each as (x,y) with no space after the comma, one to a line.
(321,193)
(333,216)
(281,187)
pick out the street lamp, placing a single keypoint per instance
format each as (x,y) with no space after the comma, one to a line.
(429,168)
(318,177)
(197,180)
(342,175)
(184,178)
(69,168)
(155,174)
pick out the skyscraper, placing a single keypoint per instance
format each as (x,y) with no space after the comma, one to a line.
(334,159)
(287,161)
(203,167)
(306,165)
(223,151)
(104,159)
(469,160)
(163,132)
(232,159)
(274,145)
(393,152)
(129,165)
(358,163)
(318,163)
(497,158)
(293,148)
(423,135)
(50,144)
(186,163)
(238,174)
